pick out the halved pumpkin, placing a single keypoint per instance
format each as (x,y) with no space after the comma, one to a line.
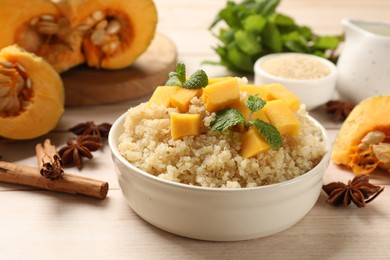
(105,34)
(350,148)
(31,95)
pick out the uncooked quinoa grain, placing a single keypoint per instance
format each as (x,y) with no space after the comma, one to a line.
(213,159)
(295,66)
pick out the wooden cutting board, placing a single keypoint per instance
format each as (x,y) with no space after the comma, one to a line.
(88,86)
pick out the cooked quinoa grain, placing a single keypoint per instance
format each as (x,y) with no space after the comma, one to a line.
(213,159)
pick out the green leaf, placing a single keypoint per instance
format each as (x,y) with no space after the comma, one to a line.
(269,7)
(296,46)
(197,80)
(239,60)
(181,71)
(269,132)
(254,23)
(226,36)
(247,42)
(272,38)
(305,32)
(254,103)
(282,20)
(230,14)
(173,80)
(326,42)
(226,118)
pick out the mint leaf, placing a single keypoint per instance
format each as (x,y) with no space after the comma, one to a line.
(197,80)
(226,118)
(254,103)
(173,80)
(181,71)
(269,132)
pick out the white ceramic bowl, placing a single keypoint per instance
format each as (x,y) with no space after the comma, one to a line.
(217,214)
(311,92)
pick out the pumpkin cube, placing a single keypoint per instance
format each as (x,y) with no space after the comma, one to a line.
(184,125)
(182,97)
(261,91)
(221,94)
(253,143)
(282,117)
(162,96)
(215,80)
(277,91)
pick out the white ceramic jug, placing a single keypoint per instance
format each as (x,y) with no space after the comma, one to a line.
(364,62)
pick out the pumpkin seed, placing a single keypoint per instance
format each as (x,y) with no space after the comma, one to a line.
(113,27)
(101,25)
(21,68)
(7,64)
(98,15)
(28,83)
(98,37)
(48,27)
(47,17)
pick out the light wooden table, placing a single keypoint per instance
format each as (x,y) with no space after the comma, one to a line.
(37,224)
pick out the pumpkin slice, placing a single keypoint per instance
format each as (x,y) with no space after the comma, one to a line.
(31,95)
(105,34)
(354,146)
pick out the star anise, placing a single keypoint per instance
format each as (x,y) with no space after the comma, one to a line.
(339,109)
(90,128)
(79,147)
(359,191)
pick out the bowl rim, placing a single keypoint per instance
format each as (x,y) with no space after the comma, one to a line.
(259,70)
(112,141)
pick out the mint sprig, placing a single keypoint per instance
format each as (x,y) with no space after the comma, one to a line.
(229,117)
(178,78)
(226,118)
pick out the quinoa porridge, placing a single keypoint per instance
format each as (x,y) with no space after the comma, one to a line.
(212,159)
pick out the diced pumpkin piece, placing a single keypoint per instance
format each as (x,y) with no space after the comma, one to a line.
(215,80)
(277,91)
(162,96)
(253,143)
(221,94)
(182,97)
(369,115)
(281,116)
(184,125)
(260,91)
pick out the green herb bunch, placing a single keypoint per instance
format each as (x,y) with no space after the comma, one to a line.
(255,29)
(229,117)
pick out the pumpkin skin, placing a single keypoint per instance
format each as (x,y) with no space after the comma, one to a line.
(369,115)
(70,44)
(46,97)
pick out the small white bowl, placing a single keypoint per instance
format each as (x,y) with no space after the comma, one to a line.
(217,214)
(311,92)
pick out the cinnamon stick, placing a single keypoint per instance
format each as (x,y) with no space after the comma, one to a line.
(69,183)
(50,163)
